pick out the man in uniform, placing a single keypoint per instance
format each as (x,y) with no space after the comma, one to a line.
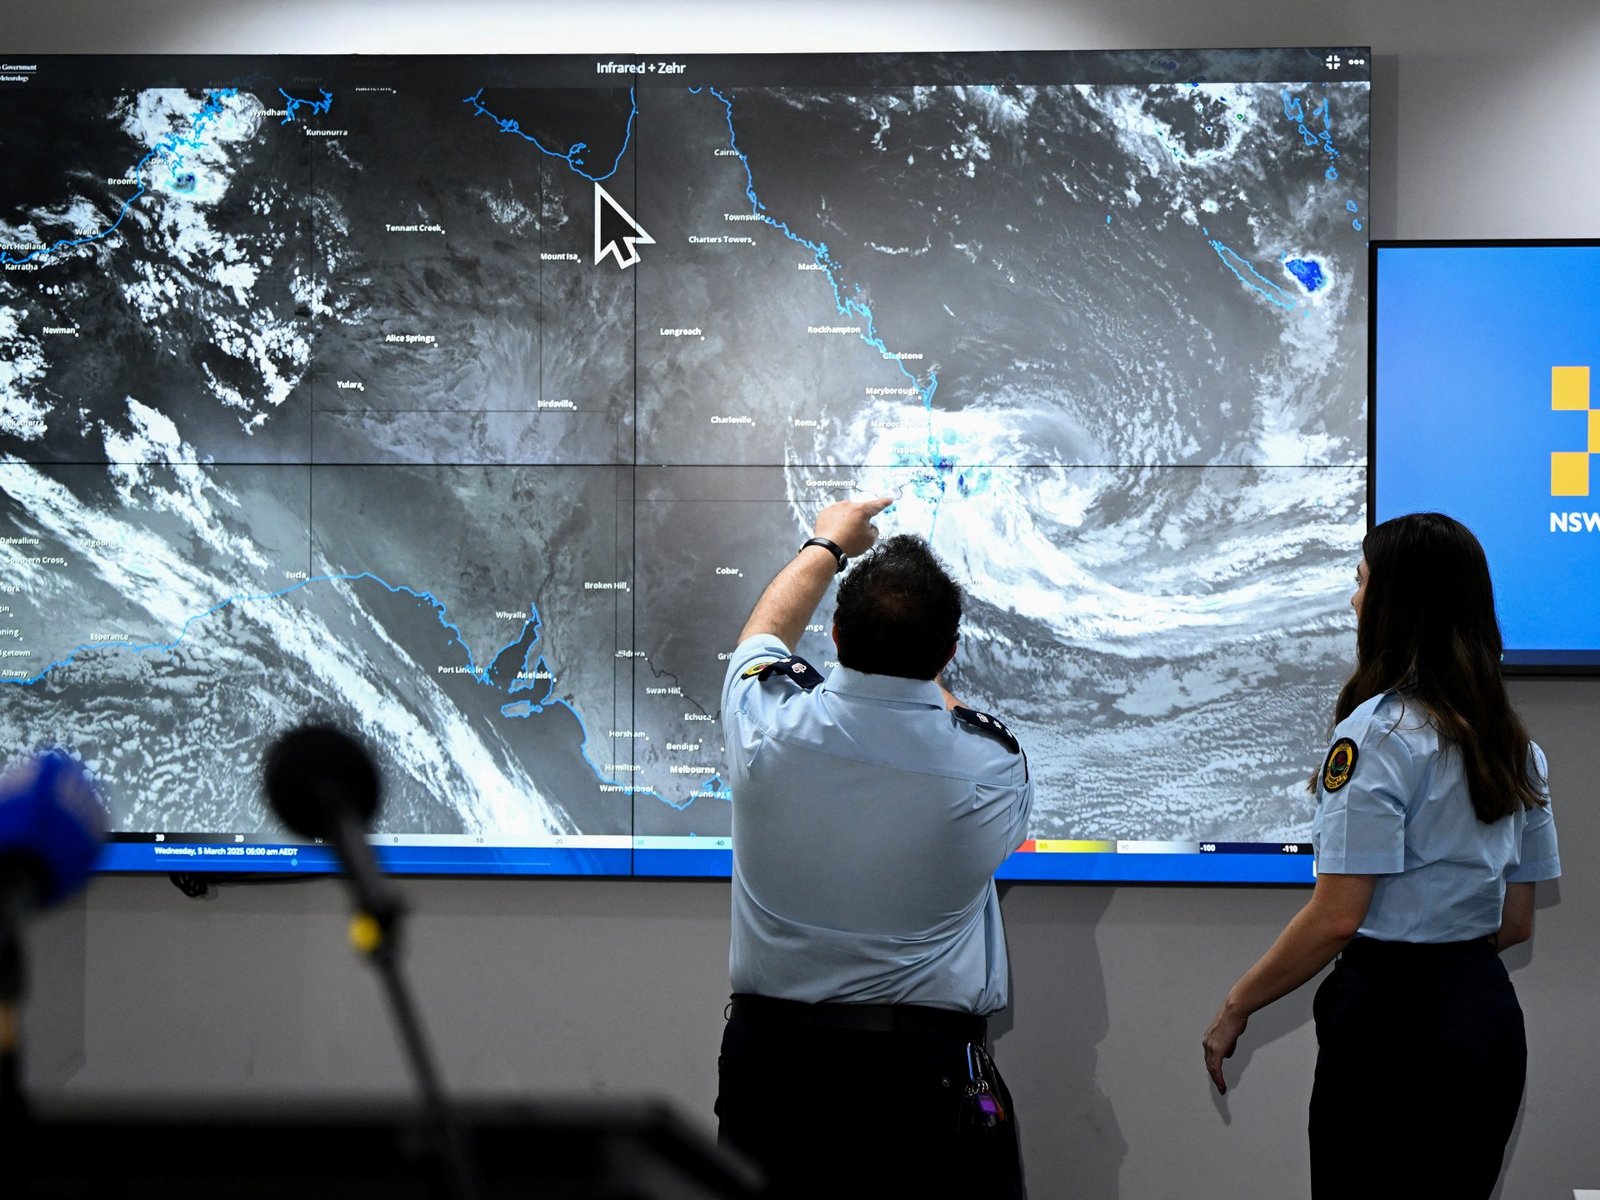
(870,810)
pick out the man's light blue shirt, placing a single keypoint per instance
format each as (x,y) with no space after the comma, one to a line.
(867,825)
(1406,816)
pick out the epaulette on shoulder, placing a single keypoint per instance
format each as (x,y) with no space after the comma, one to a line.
(984,723)
(794,668)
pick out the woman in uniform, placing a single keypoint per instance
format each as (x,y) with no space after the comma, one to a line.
(1432,824)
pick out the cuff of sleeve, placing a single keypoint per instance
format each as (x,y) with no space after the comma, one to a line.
(1356,864)
(1536,872)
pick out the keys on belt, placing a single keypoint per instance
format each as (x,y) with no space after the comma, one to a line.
(981,1106)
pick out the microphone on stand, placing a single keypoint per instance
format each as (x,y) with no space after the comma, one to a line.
(322,783)
(52,825)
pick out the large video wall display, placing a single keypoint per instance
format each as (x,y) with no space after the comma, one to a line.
(469,403)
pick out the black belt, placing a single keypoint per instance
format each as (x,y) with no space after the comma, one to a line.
(872,1018)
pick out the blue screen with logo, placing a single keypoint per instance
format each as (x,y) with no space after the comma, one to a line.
(1485,393)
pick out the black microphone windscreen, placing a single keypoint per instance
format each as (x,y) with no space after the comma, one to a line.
(314,773)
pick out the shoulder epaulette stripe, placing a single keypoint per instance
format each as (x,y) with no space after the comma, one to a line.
(993,726)
(795,669)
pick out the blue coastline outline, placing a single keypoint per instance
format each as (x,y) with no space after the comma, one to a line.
(572,156)
(293,105)
(171,148)
(1307,271)
(1295,110)
(1246,274)
(519,708)
(850,306)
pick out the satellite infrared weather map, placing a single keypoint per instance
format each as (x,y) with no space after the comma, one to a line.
(468,403)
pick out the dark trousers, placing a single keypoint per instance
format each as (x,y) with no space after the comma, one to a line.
(842,1113)
(1420,1064)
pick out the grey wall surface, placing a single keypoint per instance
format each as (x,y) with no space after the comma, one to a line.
(1482,112)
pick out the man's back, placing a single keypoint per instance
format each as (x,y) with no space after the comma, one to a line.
(869,814)
(868,826)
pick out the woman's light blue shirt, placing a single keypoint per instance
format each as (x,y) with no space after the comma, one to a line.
(1405,816)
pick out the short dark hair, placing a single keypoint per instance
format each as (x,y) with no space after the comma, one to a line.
(898,611)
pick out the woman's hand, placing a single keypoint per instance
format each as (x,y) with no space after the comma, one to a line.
(1309,942)
(1219,1043)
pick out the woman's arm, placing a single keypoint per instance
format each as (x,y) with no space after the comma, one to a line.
(1308,943)
(1516,916)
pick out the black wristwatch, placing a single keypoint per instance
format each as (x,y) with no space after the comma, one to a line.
(831,547)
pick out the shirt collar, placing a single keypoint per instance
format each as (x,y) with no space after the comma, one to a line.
(861,685)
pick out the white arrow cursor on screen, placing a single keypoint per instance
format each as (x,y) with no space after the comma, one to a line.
(615,232)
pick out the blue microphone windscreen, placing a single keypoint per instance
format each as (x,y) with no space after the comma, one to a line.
(52,818)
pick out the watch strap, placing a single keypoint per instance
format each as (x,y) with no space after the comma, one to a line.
(832,548)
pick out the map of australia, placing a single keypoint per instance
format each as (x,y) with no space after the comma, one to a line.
(323,398)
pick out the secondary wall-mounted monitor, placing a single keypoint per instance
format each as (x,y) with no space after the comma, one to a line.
(1482,354)
(468,403)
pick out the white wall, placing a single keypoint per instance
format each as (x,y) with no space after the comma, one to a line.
(1482,119)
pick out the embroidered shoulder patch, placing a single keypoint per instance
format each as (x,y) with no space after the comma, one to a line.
(993,726)
(1340,763)
(794,668)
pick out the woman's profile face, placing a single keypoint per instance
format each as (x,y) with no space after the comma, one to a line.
(1361,587)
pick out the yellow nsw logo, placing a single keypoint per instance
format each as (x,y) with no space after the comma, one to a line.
(1340,762)
(1569,469)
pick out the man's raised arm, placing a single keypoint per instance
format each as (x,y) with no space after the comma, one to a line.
(794,593)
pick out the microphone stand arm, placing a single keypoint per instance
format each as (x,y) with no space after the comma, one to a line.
(374,933)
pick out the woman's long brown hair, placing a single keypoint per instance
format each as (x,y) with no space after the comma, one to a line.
(1428,631)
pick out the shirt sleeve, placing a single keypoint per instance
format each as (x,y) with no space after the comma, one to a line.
(1361,825)
(740,683)
(1540,857)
